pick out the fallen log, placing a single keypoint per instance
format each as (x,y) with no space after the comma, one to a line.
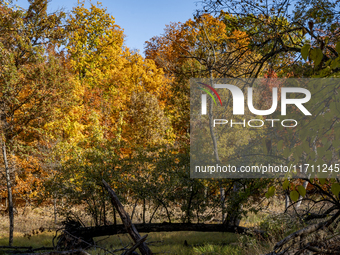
(137,244)
(88,232)
(306,231)
(79,232)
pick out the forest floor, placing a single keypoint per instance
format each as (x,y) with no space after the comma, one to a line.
(35,226)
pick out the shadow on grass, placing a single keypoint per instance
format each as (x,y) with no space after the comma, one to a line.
(161,243)
(174,243)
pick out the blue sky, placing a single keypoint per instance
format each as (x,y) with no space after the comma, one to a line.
(140,20)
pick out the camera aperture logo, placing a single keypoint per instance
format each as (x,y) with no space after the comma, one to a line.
(239,105)
(204,97)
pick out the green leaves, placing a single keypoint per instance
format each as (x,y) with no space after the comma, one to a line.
(294,195)
(270,192)
(301,190)
(337,47)
(279,145)
(335,189)
(286,152)
(285,184)
(93,41)
(264,146)
(305,51)
(316,55)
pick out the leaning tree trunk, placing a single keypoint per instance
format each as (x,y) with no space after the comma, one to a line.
(10,196)
(130,228)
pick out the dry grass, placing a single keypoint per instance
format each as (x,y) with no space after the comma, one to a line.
(25,221)
(35,227)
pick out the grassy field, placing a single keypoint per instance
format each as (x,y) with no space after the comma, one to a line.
(174,243)
(159,243)
(35,227)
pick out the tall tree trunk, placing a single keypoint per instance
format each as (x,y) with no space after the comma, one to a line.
(205,194)
(234,212)
(143,211)
(222,193)
(211,123)
(235,207)
(287,203)
(133,210)
(10,196)
(114,217)
(55,210)
(104,207)
(188,213)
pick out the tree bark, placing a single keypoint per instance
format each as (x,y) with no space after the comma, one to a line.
(222,193)
(143,215)
(211,123)
(88,232)
(234,208)
(130,228)
(130,251)
(55,210)
(286,201)
(134,208)
(10,196)
(306,231)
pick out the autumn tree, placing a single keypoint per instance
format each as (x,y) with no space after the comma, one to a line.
(275,30)
(203,47)
(120,107)
(309,37)
(108,71)
(33,82)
